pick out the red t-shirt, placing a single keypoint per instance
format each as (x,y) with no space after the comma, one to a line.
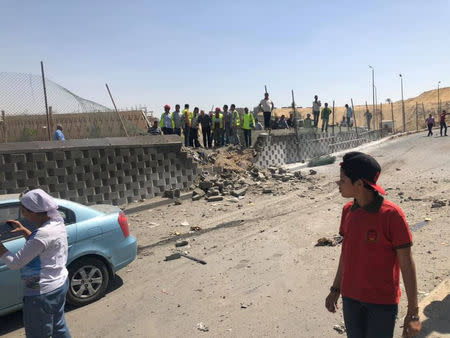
(370,269)
(443,117)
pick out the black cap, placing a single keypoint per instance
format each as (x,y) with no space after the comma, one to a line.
(357,165)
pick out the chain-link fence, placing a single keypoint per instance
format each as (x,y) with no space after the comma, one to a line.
(24,115)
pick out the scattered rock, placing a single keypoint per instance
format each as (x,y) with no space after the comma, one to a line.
(324,241)
(185,223)
(181,243)
(202,327)
(339,328)
(196,197)
(214,198)
(267,191)
(195,228)
(312,172)
(177,202)
(239,192)
(233,199)
(199,192)
(438,204)
(205,185)
(213,192)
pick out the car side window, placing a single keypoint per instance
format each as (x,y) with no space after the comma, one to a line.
(12,211)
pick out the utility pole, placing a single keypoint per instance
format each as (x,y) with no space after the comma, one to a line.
(392,113)
(373,97)
(46,103)
(439,101)
(403,104)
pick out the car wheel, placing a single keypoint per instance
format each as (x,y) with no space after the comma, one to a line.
(88,280)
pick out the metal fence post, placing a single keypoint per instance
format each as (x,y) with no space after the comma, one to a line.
(5,136)
(45,99)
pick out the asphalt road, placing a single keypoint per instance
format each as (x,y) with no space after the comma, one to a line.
(264,276)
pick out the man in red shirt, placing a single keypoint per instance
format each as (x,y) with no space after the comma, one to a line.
(376,246)
(442,122)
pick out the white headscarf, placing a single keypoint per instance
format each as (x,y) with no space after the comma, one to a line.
(38,200)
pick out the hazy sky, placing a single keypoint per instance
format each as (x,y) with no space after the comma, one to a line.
(215,52)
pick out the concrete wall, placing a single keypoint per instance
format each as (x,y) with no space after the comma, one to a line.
(91,171)
(284,146)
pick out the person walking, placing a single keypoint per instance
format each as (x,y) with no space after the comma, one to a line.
(217,128)
(368,116)
(186,122)
(430,124)
(348,115)
(193,133)
(326,112)
(177,120)
(316,110)
(248,123)
(59,136)
(205,123)
(376,246)
(442,123)
(42,263)
(166,123)
(266,106)
(235,124)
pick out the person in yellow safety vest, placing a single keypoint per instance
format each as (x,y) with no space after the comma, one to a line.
(217,128)
(235,123)
(186,116)
(166,122)
(248,123)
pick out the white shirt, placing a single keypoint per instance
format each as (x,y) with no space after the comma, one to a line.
(316,105)
(42,261)
(266,105)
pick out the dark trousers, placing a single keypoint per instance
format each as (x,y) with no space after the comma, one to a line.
(430,130)
(206,137)
(248,137)
(267,117)
(443,126)
(325,124)
(218,136)
(186,131)
(167,131)
(316,118)
(348,122)
(366,320)
(177,131)
(368,124)
(193,138)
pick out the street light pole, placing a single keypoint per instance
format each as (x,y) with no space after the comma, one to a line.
(373,97)
(403,104)
(439,101)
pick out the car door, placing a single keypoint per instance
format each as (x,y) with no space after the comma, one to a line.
(11,289)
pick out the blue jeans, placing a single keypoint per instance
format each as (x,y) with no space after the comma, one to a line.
(43,315)
(367,320)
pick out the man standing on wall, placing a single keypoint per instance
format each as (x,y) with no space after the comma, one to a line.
(186,117)
(316,110)
(266,106)
(176,118)
(217,125)
(228,127)
(235,123)
(166,123)
(205,122)
(349,113)
(325,117)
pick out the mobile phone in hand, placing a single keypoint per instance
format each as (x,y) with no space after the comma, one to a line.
(6,228)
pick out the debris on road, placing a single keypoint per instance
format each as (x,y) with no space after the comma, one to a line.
(312,172)
(195,228)
(202,327)
(185,223)
(322,160)
(181,243)
(177,255)
(339,328)
(172,193)
(438,203)
(324,241)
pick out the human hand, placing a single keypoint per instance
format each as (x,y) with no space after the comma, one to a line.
(17,226)
(331,301)
(411,326)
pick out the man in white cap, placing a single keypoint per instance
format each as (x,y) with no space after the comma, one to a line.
(42,263)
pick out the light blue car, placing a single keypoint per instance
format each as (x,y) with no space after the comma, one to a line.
(99,245)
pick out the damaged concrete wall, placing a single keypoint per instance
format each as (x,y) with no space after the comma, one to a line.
(284,147)
(115,170)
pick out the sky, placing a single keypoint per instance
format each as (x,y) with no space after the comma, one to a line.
(210,53)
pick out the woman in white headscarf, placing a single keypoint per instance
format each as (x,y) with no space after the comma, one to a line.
(42,263)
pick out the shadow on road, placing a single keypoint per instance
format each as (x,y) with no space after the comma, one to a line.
(437,318)
(13,321)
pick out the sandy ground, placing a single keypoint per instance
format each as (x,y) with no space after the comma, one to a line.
(264,277)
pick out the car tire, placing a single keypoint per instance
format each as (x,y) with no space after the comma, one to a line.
(88,281)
